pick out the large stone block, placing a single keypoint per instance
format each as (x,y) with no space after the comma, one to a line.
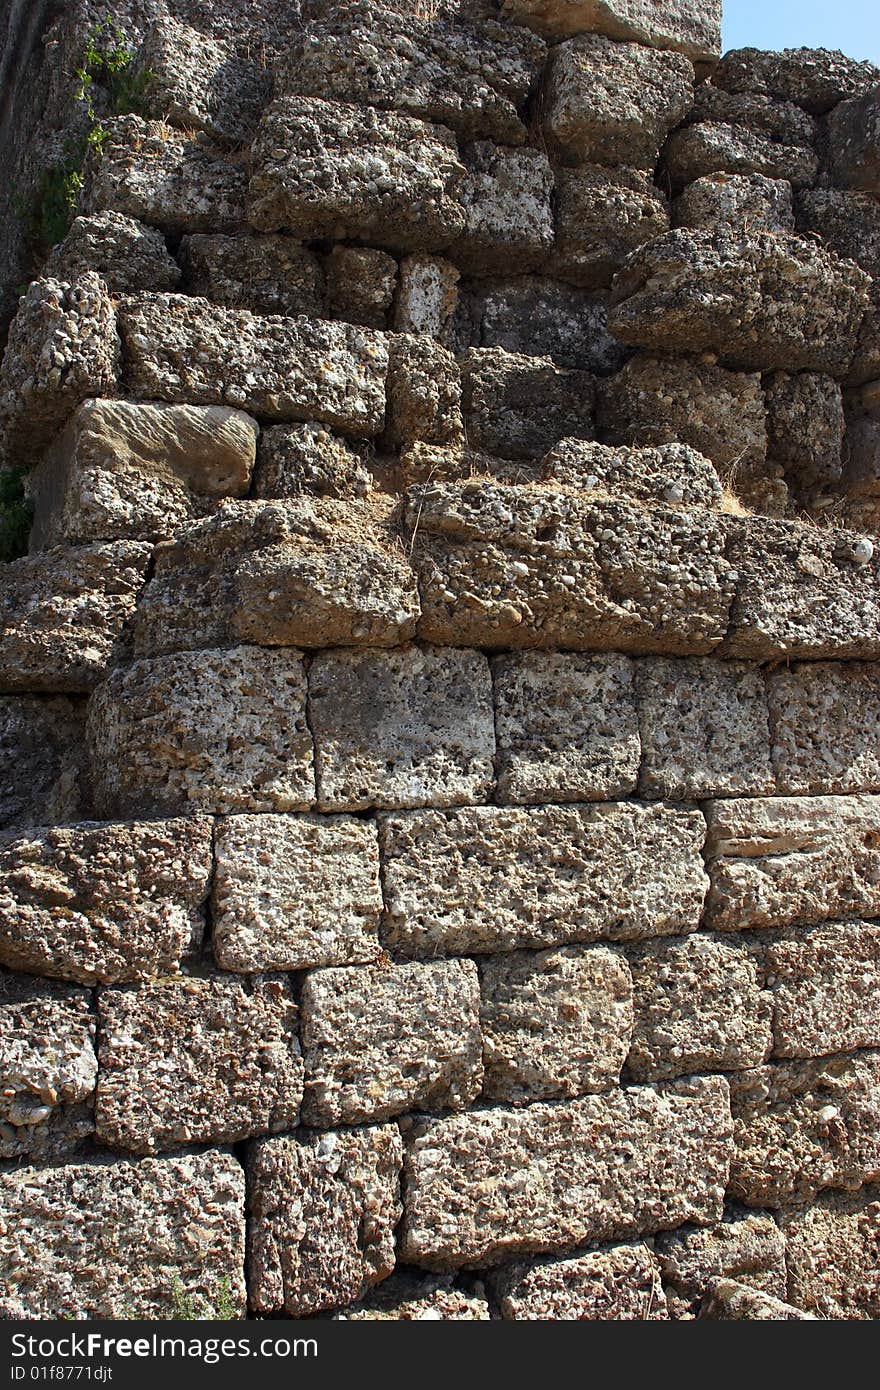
(48,1068)
(698,1006)
(783,121)
(566,726)
(361,282)
(217,730)
(528,566)
(323,1210)
(41,760)
(824,715)
(508,217)
(518,407)
(847,222)
(127,255)
(408,1298)
(760,301)
(832,1249)
(324,169)
(814,78)
(555,1023)
(63,614)
(266,274)
(202,82)
(401,728)
(165,178)
(124,471)
(783,860)
(729,1301)
(824,982)
(854,142)
(293,892)
(540,317)
(492,878)
(304,573)
(620,1283)
(427,297)
(494,1183)
(423,392)
(295,459)
(805,427)
(749,201)
(688,26)
(195,1061)
(746,1246)
(613,103)
(670,473)
(182,349)
(104,903)
(113,1239)
(601,216)
(710,147)
(379,1040)
(800,1127)
(704,729)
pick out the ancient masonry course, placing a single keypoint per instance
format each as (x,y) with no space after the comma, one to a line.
(439,664)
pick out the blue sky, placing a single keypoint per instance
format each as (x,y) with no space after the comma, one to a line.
(851,25)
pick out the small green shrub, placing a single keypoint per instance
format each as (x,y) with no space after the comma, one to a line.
(183,1308)
(15,515)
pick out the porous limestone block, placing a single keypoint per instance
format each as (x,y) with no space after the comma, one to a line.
(805,428)
(322,169)
(783,121)
(781,860)
(540,317)
(729,1301)
(508,217)
(164,177)
(832,1249)
(427,297)
(746,1246)
(535,566)
(472,77)
(48,1068)
(688,26)
(823,716)
(518,406)
(196,1061)
(698,1006)
(687,400)
(178,348)
(495,1183)
(128,256)
(710,147)
(704,729)
(307,572)
(860,481)
(323,1208)
(803,1126)
(749,201)
(824,982)
(41,760)
(63,613)
(601,216)
(619,1283)
(555,1023)
(566,726)
(307,458)
(360,284)
(865,367)
(379,1040)
(294,892)
(110,1238)
(761,301)
(266,274)
(423,392)
(803,591)
(814,78)
(63,346)
(674,474)
(412,727)
(613,103)
(491,878)
(217,731)
(854,142)
(405,1298)
(104,903)
(124,471)
(200,81)
(847,222)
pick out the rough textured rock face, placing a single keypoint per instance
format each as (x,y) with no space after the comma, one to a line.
(439,640)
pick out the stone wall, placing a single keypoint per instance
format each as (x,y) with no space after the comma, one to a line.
(440,870)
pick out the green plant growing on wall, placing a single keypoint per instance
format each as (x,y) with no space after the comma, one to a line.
(15,515)
(183,1306)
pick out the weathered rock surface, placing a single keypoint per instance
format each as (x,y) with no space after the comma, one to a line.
(323,1210)
(750,201)
(104,903)
(854,142)
(423,393)
(48,1068)
(814,78)
(674,474)
(41,760)
(293,892)
(833,1255)
(62,614)
(619,1283)
(689,26)
(108,1238)
(294,459)
(747,1246)
(824,982)
(492,879)
(601,216)
(196,1061)
(220,731)
(403,1298)
(493,1183)
(401,728)
(566,727)
(540,317)
(729,1301)
(555,1023)
(805,427)
(266,274)
(714,147)
(427,297)
(199,81)
(360,284)
(847,222)
(379,1040)
(508,217)
(127,255)
(823,714)
(182,349)
(783,860)
(518,406)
